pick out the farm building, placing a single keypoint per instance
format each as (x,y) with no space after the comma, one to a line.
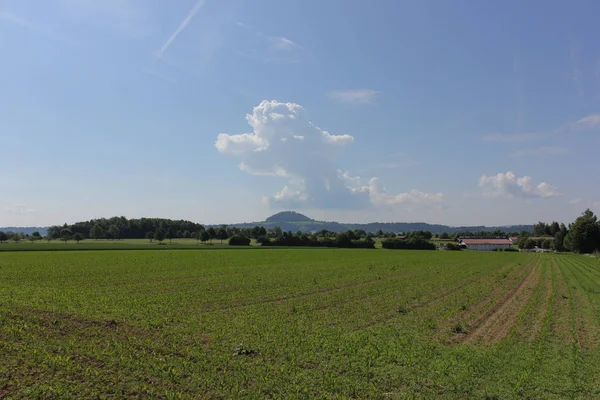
(486,243)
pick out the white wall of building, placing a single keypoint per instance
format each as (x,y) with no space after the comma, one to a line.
(487,247)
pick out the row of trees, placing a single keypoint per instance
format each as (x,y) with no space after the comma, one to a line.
(18,236)
(582,235)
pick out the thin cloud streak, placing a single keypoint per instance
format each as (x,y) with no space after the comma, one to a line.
(181,27)
(357,96)
(514,137)
(15,19)
(589,122)
(542,151)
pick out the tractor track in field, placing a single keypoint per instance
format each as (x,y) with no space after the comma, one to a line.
(302,295)
(433,300)
(494,325)
(478,308)
(546,306)
(586,322)
(564,325)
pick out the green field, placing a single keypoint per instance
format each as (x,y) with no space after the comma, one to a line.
(298,323)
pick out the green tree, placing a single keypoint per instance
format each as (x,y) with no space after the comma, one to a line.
(160,235)
(150,236)
(204,236)
(222,234)
(114,232)
(186,234)
(444,236)
(96,232)
(3,237)
(171,233)
(584,233)
(65,234)
(212,234)
(78,237)
(35,236)
(559,239)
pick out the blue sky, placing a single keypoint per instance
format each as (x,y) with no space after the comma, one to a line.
(226,111)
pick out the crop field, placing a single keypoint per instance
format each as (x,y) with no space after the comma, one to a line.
(298,323)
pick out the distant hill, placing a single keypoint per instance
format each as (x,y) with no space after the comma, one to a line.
(25,230)
(293,221)
(288,216)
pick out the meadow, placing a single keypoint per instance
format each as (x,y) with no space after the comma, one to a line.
(298,323)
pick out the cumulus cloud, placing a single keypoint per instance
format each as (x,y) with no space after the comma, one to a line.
(509,185)
(285,144)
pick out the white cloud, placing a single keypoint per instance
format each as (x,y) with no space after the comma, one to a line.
(542,151)
(17,20)
(19,209)
(575,201)
(591,121)
(379,196)
(286,145)
(509,185)
(283,44)
(358,96)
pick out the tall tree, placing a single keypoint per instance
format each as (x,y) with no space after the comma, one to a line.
(159,235)
(222,234)
(204,236)
(78,237)
(114,232)
(3,237)
(212,234)
(584,233)
(65,234)
(96,232)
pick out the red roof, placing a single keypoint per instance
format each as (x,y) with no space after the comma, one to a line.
(487,241)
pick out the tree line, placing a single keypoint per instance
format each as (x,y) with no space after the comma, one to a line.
(580,236)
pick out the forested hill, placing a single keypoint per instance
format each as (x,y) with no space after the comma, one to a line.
(121,227)
(293,221)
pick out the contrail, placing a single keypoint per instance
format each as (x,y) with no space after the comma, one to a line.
(181,27)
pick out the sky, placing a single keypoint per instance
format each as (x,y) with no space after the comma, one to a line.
(224,111)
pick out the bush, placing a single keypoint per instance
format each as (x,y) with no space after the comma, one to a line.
(411,244)
(511,249)
(341,241)
(263,240)
(453,246)
(239,241)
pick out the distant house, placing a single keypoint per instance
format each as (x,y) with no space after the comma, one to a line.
(514,239)
(486,243)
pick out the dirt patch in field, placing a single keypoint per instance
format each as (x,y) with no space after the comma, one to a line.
(497,322)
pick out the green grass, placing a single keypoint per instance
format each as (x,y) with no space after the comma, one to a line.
(298,323)
(125,244)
